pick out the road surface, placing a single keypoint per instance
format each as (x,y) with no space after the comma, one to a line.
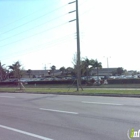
(66,117)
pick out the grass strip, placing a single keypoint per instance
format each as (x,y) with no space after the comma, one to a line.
(73,90)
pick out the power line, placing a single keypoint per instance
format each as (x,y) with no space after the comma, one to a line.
(87,11)
(48,43)
(30,28)
(33,35)
(33,13)
(24,24)
(33,19)
(33,27)
(38,48)
(54,41)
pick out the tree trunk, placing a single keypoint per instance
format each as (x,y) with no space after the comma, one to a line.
(97,76)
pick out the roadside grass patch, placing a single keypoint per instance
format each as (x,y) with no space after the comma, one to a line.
(73,90)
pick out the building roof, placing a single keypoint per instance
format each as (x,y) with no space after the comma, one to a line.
(43,72)
(104,71)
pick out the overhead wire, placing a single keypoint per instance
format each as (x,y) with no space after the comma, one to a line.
(35,18)
(33,27)
(33,35)
(38,48)
(38,26)
(30,29)
(33,13)
(51,42)
(24,24)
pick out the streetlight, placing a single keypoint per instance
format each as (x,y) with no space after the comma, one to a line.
(107,61)
(108,65)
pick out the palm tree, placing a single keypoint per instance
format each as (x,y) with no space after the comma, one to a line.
(85,67)
(97,65)
(16,70)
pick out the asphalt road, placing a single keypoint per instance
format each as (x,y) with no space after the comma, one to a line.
(58,117)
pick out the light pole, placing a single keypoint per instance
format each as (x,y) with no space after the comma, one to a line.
(108,65)
(107,58)
(49,65)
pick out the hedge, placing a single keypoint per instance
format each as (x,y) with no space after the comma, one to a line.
(42,82)
(124,81)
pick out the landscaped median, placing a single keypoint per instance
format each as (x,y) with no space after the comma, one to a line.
(72,91)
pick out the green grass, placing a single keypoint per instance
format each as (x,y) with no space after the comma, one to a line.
(73,90)
(74,86)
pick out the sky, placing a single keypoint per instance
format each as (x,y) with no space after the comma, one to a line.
(38,32)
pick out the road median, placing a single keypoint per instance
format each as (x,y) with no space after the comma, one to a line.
(115,92)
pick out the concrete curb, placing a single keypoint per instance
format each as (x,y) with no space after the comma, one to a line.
(91,94)
(81,94)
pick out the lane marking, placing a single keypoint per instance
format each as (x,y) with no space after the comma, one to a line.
(100,103)
(59,111)
(7,97)
(25,133)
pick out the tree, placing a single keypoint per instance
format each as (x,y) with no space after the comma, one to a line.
(85,66)
(53,68)
(97,65)
(70,71)
(29,71)
(3,72)
(62,69)
(119,71)
(16,70)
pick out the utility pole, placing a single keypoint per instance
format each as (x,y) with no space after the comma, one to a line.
(78,45)
(0,72)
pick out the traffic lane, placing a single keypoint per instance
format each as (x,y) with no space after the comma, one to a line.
(75,98)
(111,122)
(94,105)
(102,108)
(114,100)
(63,126)
(117,108)
(81,126)
(53,125)
(6,134)
(72,98)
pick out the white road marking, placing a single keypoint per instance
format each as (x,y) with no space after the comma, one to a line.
(7,97)
(100,103)
(25,133)
(60,111)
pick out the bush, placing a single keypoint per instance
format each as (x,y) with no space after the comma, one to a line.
(124,81)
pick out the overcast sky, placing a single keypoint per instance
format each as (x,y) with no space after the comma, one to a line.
(38,32)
